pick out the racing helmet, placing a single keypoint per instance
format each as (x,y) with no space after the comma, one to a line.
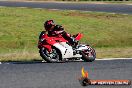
(48,25)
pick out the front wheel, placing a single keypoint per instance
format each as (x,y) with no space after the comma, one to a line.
(52,56)
(89,55)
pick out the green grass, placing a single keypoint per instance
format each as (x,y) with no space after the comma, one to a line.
(20,27)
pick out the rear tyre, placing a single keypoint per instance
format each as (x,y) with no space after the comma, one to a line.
(50,57)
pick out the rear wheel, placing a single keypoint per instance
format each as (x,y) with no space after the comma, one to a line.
(53,56)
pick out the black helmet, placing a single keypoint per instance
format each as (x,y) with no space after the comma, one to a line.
(48,24)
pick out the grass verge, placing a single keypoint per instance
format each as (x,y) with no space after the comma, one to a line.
(20,27)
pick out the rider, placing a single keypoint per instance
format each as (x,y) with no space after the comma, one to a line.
(55,30)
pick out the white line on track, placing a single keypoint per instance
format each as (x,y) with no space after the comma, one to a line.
(115,59)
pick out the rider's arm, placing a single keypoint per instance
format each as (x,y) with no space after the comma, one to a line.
(70,38)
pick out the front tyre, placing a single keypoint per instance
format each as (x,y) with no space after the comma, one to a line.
(52,56)
(89,56)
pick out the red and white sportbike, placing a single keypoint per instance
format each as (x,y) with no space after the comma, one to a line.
(57,49)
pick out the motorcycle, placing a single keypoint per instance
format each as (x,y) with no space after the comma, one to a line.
(57,49)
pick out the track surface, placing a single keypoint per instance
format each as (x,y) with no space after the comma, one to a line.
(62,75)
(114,8)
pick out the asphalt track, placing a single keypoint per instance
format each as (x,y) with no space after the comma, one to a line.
(62,75)
(112,8)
